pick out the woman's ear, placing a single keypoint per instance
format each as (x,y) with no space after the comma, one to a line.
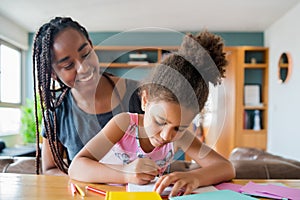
(144,98)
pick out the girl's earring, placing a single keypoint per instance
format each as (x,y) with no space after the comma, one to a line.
(144,106)
(144,100)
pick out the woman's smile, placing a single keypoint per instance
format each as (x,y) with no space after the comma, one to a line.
(87,78)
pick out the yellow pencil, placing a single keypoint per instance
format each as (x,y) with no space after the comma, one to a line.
(79,190)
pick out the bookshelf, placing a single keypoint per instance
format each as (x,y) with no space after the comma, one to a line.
(248,66)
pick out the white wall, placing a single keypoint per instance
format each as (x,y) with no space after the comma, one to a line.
(284,99)
(13,33)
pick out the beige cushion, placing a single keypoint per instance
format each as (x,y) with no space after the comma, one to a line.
(24,165)
(4,162)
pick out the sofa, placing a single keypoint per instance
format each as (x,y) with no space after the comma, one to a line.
(24,165)
(252,163)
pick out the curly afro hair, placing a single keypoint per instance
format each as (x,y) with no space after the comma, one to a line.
(184,76)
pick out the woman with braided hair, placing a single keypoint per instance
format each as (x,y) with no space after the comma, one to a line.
(76,98)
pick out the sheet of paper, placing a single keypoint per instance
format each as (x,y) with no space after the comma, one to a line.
(271,191)
(146,188)
(149,187)
(203,189)
(215,195)
(287,192)
(229,186)
(255,189)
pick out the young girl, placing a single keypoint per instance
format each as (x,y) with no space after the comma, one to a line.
(73,92)
(134,148)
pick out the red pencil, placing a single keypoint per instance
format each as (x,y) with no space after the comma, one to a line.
(73,189)
(102,192)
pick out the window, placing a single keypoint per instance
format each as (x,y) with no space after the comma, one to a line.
(10,88)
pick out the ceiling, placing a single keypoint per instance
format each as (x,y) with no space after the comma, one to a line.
(179,15)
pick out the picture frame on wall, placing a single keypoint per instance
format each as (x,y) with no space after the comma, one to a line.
(252,95)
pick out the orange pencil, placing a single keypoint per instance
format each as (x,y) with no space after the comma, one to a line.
(96,190)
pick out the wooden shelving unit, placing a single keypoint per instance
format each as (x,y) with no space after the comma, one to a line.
(247,65)
(118,56)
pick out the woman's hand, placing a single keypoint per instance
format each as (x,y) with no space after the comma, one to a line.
(141,171)
(181,181)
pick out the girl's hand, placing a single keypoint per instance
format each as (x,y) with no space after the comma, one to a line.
(180,180)
(141,171)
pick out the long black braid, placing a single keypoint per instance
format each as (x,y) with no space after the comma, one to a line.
(50,96)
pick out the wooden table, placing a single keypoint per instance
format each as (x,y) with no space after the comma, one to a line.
(42,187)
(25,186)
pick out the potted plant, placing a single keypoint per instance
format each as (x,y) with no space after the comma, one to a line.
(28,130)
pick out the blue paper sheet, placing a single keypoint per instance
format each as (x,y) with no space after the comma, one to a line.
(215,195)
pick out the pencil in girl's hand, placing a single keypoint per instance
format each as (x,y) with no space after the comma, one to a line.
(160,172)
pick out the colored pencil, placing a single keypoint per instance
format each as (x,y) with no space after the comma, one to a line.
(102,192)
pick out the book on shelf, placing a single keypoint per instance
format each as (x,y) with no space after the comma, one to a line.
(137,62)
(246,120)
(138,56)
(252,95)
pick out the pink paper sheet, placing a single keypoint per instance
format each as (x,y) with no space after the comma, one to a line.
(229,186)
(271,191)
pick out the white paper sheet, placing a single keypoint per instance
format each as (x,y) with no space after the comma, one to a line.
(149,187)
